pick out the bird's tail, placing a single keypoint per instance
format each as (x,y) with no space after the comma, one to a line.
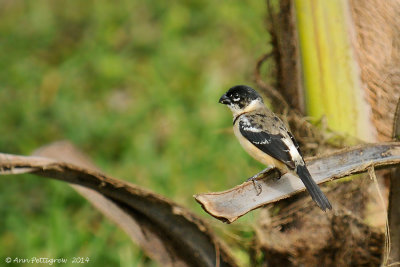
(313,188)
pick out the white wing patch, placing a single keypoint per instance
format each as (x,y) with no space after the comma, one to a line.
(266,141)
(293,152)
(247,126)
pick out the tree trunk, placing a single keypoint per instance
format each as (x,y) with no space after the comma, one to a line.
(339,62)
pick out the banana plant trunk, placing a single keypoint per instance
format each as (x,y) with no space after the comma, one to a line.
(339,61)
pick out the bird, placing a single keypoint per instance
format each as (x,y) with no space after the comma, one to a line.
(266,138)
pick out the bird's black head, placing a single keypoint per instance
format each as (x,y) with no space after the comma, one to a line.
(239,97)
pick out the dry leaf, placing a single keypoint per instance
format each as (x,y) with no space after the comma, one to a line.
(167,232)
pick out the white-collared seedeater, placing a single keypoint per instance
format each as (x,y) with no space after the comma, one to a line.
(266,138)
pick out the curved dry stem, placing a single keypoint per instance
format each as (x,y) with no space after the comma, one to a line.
(278,101)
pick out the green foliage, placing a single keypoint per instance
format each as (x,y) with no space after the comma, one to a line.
(135,85)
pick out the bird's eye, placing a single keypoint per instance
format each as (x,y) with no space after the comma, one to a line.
(236,97)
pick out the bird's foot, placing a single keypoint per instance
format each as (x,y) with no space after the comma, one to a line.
(257,185)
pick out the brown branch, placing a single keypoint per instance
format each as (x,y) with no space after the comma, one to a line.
(229,205)
(168,233)
(278,101)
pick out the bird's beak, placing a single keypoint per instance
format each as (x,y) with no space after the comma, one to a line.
(224,100)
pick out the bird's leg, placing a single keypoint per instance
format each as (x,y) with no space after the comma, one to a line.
(254,178)
(261,174)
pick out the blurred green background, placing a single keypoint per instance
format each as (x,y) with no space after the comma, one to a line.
(135,85)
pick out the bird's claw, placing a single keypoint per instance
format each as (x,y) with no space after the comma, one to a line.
(257,185)
(261,174)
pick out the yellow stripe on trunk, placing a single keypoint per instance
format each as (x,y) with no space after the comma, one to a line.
(330,71)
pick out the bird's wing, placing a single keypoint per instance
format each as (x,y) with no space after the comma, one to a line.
(270,144)
(295,143)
